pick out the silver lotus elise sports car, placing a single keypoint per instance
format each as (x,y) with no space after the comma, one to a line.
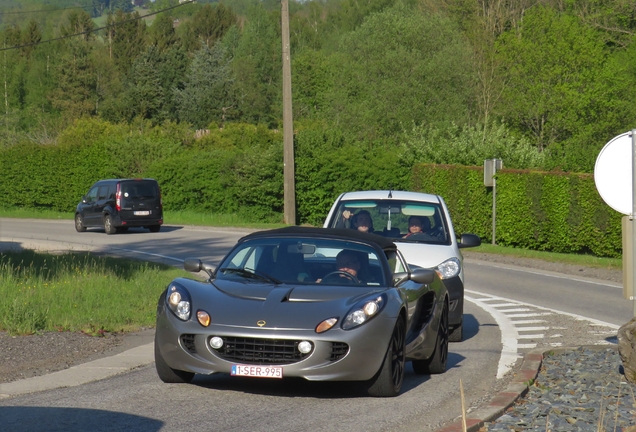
(317,303)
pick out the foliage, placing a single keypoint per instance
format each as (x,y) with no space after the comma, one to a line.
(535,210)
(208,93)
(389,75)
(468,145)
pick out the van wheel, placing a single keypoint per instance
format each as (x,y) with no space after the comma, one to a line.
(154,228)
(79,223)
(108,225)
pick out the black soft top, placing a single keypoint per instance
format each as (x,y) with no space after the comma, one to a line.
(341,233)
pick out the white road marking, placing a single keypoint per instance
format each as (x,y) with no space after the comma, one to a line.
(510,329)
(509,337)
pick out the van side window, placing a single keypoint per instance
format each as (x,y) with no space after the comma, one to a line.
(91,196)
(103,193)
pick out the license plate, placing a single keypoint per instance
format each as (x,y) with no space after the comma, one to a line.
(142,213)
(257,371)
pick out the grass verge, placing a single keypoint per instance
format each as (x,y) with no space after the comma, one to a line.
(79,292)
(574,259)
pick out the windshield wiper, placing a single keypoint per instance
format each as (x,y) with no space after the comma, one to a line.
(250,274)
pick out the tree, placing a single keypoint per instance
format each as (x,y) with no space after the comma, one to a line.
(257,67)
(79,22)
(554,66)
(401,66)
(75,94)
(30,37)
(127,36)
(211,23)
(208,93)
(161,33)
(143,90)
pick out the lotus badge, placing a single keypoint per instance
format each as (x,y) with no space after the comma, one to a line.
(260,323)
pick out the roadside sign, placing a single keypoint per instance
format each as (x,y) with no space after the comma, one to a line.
(613,173)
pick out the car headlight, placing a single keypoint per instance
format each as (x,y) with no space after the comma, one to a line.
(178,301)
(449,268)
(363,312)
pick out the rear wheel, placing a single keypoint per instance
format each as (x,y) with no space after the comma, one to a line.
(436,364)
(154,228)
(388,381)
(79,223)
(166,373)
(108,225)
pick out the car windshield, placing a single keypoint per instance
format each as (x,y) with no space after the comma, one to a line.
(305,261)
(400,220)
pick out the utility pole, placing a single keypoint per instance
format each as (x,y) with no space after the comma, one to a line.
(288,123)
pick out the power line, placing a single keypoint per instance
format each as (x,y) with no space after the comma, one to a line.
(97,29)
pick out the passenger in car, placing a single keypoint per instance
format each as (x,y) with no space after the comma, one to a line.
(418,225)
(361,221)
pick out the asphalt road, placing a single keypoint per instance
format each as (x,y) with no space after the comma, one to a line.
(139,401)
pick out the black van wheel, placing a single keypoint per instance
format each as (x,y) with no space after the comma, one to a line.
(108,225)
(154,228)
(79,223)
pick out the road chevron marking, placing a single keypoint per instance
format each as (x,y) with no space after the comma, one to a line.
(500,309)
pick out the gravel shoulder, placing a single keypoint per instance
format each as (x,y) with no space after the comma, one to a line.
(34,355)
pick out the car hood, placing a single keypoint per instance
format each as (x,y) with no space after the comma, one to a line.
(281,306)
(426,255)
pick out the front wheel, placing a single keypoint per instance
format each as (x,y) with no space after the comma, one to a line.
(388,381)
(79,223)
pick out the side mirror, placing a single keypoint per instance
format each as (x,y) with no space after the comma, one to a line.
(195,265)
(469,240)
(423,276)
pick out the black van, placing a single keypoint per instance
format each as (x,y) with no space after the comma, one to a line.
(118,204)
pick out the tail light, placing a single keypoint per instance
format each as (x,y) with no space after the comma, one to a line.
(118,197)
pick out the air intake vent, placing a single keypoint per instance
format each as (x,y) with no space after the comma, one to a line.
(261,351)
(187,340)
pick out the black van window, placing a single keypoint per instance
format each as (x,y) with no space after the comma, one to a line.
(103,193)
(139,190)
(91,195)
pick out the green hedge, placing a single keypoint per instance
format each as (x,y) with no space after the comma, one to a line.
(556,212)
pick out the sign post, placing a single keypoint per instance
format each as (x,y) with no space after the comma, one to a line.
(490,169)
(615,178)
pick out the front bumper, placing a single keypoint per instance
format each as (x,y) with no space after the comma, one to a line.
(337,355)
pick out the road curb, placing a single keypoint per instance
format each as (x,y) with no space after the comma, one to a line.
(516,389)
(498,405)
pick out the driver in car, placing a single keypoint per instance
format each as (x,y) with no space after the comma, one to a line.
(347,262)
(416,225)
